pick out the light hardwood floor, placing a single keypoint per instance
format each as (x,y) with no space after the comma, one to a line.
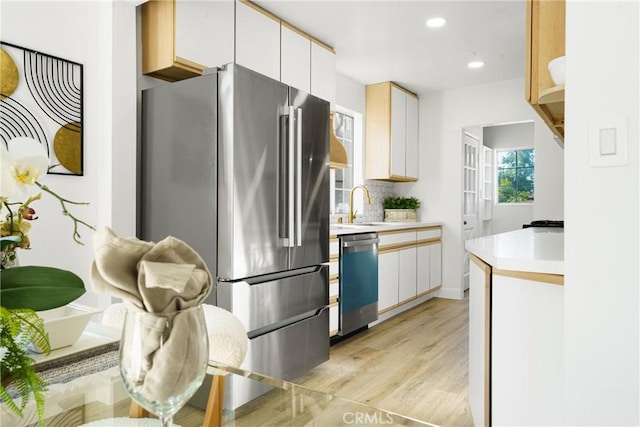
(414,364)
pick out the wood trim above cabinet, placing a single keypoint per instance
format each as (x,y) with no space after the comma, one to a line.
(407,91)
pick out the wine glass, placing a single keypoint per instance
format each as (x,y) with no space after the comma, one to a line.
(163,359)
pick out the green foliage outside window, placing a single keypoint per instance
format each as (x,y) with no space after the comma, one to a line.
(516,176)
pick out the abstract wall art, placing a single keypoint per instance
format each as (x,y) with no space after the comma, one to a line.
(41,98)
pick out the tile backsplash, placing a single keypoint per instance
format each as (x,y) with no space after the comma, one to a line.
(378,190)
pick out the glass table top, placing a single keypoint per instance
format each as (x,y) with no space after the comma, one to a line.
(101,396)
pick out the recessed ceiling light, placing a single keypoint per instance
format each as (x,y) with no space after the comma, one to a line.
(475,64)
(436,22)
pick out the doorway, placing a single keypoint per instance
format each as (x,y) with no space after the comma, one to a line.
(482,215)
(471,144)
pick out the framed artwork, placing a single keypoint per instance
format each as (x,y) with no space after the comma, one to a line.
(41,97)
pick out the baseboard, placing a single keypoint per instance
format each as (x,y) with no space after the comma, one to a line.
(450,293)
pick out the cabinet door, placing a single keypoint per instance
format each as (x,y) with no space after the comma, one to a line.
(323,73)
(295,59)
(387,280)
(398,132)
(257,41)
(479,342)
(406,274)
(435,265)
(423,279)
(199,24)
(412,137)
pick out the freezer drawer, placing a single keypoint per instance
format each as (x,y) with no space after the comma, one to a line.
(285,353)
(272,301)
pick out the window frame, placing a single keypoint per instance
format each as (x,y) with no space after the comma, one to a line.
(496,186)
(355,159)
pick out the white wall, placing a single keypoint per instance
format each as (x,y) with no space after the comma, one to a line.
(85,32)
(602,214)
(443,115)
(350,94)
(507,216)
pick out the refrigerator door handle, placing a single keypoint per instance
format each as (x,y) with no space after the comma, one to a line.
(291,180)
(299,177)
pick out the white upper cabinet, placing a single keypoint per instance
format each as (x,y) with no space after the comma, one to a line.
(412,137)
(398,131)
(182,38)
(205,23)
(323,73)
(175,33)
(391,133)
(257,41)
(295,59)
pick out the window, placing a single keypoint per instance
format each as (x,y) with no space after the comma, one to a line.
(342,180)
(514,170)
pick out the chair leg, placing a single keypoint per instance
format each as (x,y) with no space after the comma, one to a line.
(137,411)
(213,414)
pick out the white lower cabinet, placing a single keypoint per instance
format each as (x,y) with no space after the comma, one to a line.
(409,266)
(435,265)
(387,280)
(515,347)
(407,274)
(429,267)
(423,279)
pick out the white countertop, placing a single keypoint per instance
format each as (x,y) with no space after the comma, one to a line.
(339,229)
(536,250)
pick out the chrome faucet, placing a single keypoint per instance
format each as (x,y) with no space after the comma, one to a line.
(352,214)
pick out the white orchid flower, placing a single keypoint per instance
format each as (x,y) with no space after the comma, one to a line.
(21,165)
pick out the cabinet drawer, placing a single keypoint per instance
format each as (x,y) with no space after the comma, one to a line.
(432,233)
(397,238)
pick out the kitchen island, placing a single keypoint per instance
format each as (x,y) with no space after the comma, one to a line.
(516,309)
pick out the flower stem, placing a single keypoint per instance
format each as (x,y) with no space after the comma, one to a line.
(65,211)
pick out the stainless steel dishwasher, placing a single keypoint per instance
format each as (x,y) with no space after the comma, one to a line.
(358,276)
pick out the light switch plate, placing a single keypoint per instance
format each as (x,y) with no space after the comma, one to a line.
(608,142)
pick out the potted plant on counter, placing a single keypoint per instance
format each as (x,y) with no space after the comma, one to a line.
(400,209)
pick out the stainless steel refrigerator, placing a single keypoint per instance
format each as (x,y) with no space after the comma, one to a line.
(236,164)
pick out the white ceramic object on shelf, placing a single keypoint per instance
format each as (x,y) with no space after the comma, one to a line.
(556,69)
(65,324)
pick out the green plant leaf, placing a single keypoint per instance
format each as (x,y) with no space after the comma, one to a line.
(400,203)
(21,373)
(39,288)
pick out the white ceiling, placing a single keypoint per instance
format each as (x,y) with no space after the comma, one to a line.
(377,40)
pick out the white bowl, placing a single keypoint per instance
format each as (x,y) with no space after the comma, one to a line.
(65,324)
(556,69)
